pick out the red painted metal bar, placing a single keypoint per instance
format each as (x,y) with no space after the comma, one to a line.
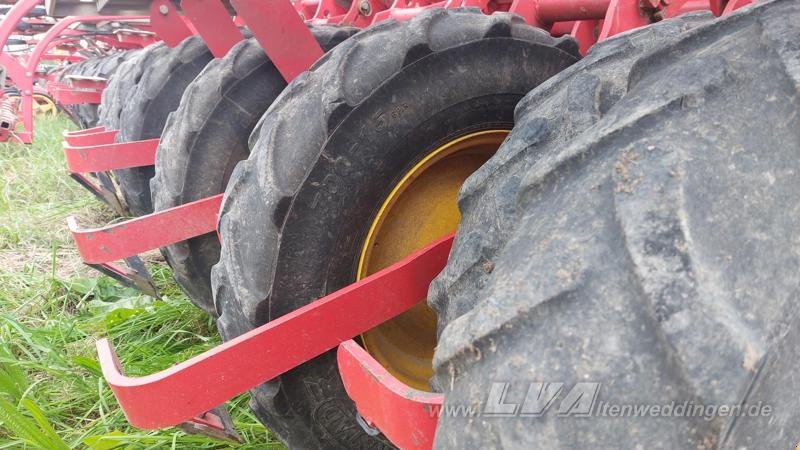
(551,11)
(282,34)
(71,96)
(214,25)
(118,155)
(97,137)
(188,389)
(622,15)
(159,229)
(168,23)
(97,153)
(733,5)
(406,416)
(92,130)
(585,32)
(77,91)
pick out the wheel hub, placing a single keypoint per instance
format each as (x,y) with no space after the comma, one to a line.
(420,208)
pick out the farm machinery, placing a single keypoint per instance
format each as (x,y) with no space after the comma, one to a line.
(420,223)
(50,64)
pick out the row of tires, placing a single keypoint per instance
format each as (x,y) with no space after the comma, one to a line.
(637,226)
(86,115)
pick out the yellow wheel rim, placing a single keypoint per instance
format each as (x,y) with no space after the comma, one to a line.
(44,106)
(420,208)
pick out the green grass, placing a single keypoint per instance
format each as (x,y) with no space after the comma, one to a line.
(53,309)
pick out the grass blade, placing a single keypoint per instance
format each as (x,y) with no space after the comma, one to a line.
(26,429)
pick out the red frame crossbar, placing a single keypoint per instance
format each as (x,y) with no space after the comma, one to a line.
(190,388)
(94,151)
(406,416)
(89,137)
(110,156)
(135,236)
(77,91)
(100,247)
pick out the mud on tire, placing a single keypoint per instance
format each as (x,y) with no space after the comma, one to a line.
(324,157)
(145,104)
(205,138)
(638,228)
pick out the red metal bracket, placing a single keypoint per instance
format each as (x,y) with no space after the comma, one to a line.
(187,389)
(90,137)
(586,32)
(406,416)
(733,5)
(97,153)
(64,95)
(623,15)
(208,17)
(104,189)
(282,34)
(84,82)
(116,155)
(149,232)
(168,23)
(544,13)
(85,131)
(99,247)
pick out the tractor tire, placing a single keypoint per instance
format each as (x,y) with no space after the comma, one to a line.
(119,88)
(325,156)
(145,110)
(86,114)
(121,85)
(73,111)
(103,67)
(638,229)
(205,138)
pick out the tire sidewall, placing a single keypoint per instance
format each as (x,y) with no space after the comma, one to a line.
(424,105)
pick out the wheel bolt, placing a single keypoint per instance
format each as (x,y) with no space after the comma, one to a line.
(364,8)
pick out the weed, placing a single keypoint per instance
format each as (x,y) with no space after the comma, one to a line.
(53,309)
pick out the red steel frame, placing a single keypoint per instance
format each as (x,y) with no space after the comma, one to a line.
(406,416)
(23,75)
(100,247)
(177,394)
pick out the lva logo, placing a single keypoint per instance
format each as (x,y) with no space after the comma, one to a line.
(577,402)
(582,401)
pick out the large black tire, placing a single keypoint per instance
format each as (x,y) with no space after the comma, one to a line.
(326,155)
(144,112)
(77,113)
(205,138)
(103,67)
(638,229)
(121,85)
